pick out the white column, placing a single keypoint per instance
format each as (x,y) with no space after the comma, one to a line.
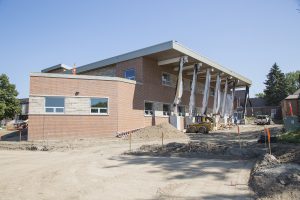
(232,98)
(217,96)
(193,91)
(206,92)
(224,98)
(179,87)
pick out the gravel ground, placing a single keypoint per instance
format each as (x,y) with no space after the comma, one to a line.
(192,166)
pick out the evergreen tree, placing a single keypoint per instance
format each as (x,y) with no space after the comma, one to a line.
(9,104)
(276,86)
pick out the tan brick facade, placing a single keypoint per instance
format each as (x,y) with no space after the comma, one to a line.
(126,101)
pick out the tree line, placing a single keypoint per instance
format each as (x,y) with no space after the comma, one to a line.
(279,85)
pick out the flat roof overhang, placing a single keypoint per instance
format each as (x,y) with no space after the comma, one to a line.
(172,50)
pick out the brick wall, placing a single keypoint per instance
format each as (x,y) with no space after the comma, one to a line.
(136,64)
(126,101)
(75,122)
(155,91)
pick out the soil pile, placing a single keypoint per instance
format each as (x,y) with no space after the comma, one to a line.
(48,145)
(196,149)
(155,132)
(272,179)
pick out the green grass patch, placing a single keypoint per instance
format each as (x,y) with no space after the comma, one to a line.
(290,137)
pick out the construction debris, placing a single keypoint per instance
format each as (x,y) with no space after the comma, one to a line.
(272,179)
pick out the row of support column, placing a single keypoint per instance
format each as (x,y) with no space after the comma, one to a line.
(219,102)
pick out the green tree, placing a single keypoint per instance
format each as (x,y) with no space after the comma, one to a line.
(9,104)
(276,86)
(260,95)
(292,79)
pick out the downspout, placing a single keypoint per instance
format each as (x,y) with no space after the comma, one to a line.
(192,112)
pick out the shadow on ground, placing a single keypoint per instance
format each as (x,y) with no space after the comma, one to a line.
(185,168)
(15,136)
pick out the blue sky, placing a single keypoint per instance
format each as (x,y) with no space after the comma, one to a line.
(245,36)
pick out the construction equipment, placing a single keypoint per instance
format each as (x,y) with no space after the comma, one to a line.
(202,124)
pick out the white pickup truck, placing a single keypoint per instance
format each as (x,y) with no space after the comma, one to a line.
(262,120)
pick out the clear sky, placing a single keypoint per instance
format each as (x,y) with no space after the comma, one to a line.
(245,36)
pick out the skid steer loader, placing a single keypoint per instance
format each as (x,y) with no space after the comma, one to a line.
(202,124)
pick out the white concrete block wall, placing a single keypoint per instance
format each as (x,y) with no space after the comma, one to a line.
(73,105)
(77,105)
(36,105)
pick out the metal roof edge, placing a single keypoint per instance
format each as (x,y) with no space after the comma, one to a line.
(56,67)
(87,77)
(179,47)
(127,56)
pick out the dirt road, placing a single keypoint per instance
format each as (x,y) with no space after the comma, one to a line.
(101,172)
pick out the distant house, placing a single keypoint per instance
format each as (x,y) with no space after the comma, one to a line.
(291,111)
(256,106)
(291,105)
(24,103)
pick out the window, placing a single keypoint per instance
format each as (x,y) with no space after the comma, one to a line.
(148,108)
(129,74)
(54,104)
(166,109)
(99,106)
(181,111)
(166,79)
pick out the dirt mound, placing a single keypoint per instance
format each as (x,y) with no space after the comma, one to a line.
(45,146)
(272,179)
(196,149)
(287,152)
(155,132)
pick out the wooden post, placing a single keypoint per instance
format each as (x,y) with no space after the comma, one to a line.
(20,134)
(162,139)
(265,136)
(238,129)
(129,141)
(269,140)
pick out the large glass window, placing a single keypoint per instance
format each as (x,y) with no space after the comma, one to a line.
(129,74)
(166,79)
(54,104)
(99,106)
(148,108)
(166,109)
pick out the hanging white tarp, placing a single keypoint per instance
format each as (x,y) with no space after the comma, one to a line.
(224,99)
(192,111)
(217,97)
(232,99)
(179,87)
(206,92)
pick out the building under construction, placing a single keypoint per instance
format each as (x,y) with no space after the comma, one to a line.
(162,83)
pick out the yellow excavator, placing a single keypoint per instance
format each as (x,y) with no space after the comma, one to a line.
(203,124)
